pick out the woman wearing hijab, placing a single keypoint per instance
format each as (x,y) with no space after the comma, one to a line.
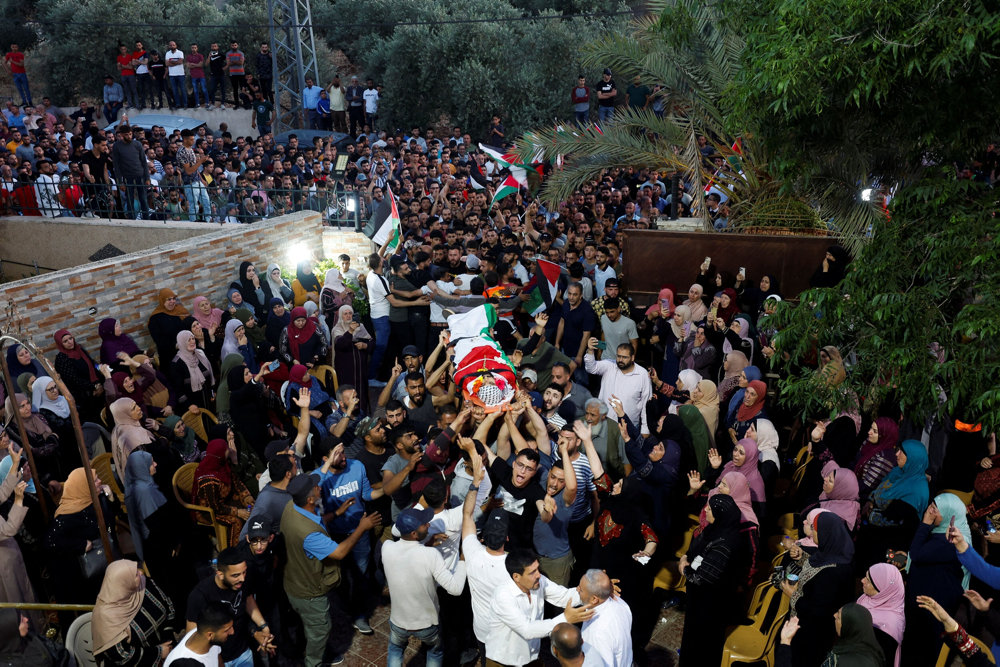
(182,439)
(73,532)
(302,342)
(352,345)
(754,297)
(334,295)
(749,410)
(277,321)
(191,372)
(701,438)
(934,570)
(892,514)
(158,397)
(263,350)
(737,334)
(306,286)
(312,312)
(687,382)
(236,342)
(144,500)
(714,567)
(883,595)
(208,317)
(696,303)
(250,402)
(705,397)
(43,440)
(114,342)
(734,364)
(14,584)
(133,621)
(319,401)
(128,434)
(78,372)
(840,493)
(698,353)
(229,362)
(831,366)
(53,407)
(20,362)
(833,268)
(623,532)
(744,378)
(19,646)
(280,289)
(744,462)
(234,300)
(734,484)
(165,323)
(877,456)
(212,347)
(215,486)
(856,645)
(256,292)
(826,583)
(671,331)
(728,306)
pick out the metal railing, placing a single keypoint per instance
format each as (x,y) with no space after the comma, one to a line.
(171,200)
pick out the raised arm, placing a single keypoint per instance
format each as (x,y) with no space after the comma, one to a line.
(302,400)
(583,432)
(478,472)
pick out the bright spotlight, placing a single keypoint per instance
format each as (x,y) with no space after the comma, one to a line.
(866,194)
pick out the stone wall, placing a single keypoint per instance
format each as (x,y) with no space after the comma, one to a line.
(126,287)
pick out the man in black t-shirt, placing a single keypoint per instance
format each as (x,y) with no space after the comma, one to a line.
(226,586)
(607,91)
(519,490)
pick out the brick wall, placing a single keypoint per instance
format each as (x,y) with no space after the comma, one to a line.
(126,287)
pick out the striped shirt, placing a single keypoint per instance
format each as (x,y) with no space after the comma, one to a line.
(584,487)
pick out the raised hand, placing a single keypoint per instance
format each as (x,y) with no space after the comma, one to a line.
(302,400)
(977,600)
(789,629)
(616,405)
(695,481)
(713,458)
(541,319)
(582,430)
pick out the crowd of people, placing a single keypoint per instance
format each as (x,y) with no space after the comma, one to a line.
(481,427)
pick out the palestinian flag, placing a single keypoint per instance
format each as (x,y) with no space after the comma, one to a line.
(510,186)
(386,220)
(508,161)
(542,287)
(477,179)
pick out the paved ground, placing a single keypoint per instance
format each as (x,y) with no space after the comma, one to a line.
(371,651)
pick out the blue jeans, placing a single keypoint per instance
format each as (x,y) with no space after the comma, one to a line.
(196,84)
(244,660)
(581,117)
(398,637)
(21,82)
(131,190)
(217,83)
(604,114)
(131,90)
(197,193)
(179,88)
(381,325)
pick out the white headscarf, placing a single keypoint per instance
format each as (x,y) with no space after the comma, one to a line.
(231,345)
(277,286)
(343,326)
(333,281)
(690,379)
(39,399)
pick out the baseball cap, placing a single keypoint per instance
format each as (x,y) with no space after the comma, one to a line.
(411,351)
(529,374)
(301,486)
(258,529)
(472,262)
(607,70)
(495,529)
(545,236)
(366,426)
(275,447)
(411,519)
(611,282)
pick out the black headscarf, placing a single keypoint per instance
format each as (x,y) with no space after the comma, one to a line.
(841,440)
(275,325)
(307,279)
(857,645)
(18,650)
(724,529)
(674,429)
(834,540)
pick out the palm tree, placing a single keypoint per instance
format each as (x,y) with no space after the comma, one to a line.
(691,50)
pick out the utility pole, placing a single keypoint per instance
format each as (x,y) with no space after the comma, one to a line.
(293,57)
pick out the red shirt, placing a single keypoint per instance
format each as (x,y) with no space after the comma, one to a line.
(126,64)
(16,61)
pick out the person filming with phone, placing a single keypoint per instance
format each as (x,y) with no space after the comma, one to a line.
(622,378)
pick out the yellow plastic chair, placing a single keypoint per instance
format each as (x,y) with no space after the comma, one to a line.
(104,466)
(200,423)
(754,643)
(327,377)
(687,536)
(947,654)
(182,482)
(964,496)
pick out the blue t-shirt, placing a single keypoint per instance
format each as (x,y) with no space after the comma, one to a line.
(337,488)
(552,538)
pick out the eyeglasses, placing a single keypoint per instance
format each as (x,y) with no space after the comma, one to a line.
(259,540)
(524,466)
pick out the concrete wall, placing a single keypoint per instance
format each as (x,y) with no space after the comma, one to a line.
(126,287)
(60,243)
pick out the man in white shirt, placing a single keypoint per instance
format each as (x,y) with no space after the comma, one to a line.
(175,71)
(204,643)
(413,572)
(518,622)
(378,300)
(47,191)
(609,632)
(570,650)
(484,562)
(624,379)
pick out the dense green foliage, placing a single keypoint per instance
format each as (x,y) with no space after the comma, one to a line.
(463,73)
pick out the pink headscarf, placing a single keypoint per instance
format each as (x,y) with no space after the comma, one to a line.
(749,470)
(698,308)
(886,606)
(739,490)
(811,520)
(843,499)
(210,321)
